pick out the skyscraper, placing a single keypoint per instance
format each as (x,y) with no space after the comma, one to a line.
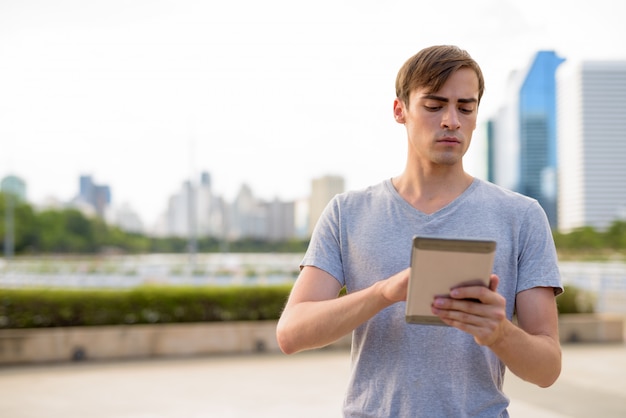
(280,220)
(592,144)
(14,185)
(323,189)
(14,190)
(503,138)
(98,196)
(538,133)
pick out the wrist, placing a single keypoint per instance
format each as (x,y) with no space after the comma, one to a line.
(382,294)
(501,336)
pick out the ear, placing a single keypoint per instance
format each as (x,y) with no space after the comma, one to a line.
(398,111)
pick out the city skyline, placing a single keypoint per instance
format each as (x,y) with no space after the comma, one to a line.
(532,114)
(86,199)
(142,96)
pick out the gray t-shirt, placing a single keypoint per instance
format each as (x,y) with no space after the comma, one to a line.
(408,370)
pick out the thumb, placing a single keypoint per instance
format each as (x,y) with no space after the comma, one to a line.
(494,280)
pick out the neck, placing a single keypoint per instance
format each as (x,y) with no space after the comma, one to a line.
(429,192)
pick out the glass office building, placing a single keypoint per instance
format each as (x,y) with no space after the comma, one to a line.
(592,144)
(538,133)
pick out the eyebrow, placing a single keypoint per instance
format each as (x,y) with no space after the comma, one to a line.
(446,100)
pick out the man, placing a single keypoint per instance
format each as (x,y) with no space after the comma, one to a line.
(363,240)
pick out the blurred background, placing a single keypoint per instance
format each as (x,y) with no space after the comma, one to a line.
(155,145)
(123,106)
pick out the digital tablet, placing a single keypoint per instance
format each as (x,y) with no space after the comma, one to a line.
(439,265)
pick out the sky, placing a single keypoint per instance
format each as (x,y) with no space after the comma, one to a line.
(145,94)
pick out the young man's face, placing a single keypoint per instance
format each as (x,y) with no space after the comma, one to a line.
(440,124)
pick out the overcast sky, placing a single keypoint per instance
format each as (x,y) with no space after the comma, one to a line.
(143,94)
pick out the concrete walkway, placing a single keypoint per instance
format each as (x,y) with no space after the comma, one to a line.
(273,385)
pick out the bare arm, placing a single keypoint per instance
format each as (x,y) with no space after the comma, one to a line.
(531,350)
(314,316)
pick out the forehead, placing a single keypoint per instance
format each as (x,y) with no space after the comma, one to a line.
(462,84)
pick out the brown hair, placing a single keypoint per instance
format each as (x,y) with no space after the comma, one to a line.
(431,68)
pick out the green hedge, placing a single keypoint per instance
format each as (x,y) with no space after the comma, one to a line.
(37,308)
(40,308)
(575,300)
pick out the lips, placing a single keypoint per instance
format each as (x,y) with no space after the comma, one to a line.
(449,140)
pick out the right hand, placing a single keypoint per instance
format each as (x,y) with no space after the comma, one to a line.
(395,288)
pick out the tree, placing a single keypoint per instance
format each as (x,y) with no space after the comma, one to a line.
(615,236)
(585,238)
(24,220)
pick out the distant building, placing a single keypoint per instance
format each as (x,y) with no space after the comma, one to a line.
(522,137)
(537,122)
(195,211)
(280,220)
(210,210)
(592,144)
(503,138)
(14,185)
(126,219)
(178,211)
(301,218)
(490,169)
(14,190)
(98,196)
(323,189)
(248,216)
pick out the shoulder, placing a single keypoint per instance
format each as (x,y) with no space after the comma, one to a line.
(502,196)
(361,196)
(499,191)
(351,206)
(506,205)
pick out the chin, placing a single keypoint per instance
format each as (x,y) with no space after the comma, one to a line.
(447,160)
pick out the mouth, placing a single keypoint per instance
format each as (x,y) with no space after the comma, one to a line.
(449,140)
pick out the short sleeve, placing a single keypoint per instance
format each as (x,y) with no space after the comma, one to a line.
(324,251)
(537,263)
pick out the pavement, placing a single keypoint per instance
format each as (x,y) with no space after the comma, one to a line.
(273,385)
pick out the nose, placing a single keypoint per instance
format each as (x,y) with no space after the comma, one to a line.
(450,119)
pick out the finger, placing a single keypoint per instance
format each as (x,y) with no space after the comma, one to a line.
(494,280)
(455,307)
(462,319)
(473,293)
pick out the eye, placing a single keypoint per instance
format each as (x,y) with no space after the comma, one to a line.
(432,108)
(466,110)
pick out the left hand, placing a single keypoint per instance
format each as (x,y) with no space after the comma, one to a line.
(485,320)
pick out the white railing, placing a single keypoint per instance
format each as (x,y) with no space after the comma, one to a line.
(606,280)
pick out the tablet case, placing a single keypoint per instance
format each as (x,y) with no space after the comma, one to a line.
(438,265)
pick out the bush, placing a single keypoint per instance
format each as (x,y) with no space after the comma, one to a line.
(41,308)
(575,300)
(37,308)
